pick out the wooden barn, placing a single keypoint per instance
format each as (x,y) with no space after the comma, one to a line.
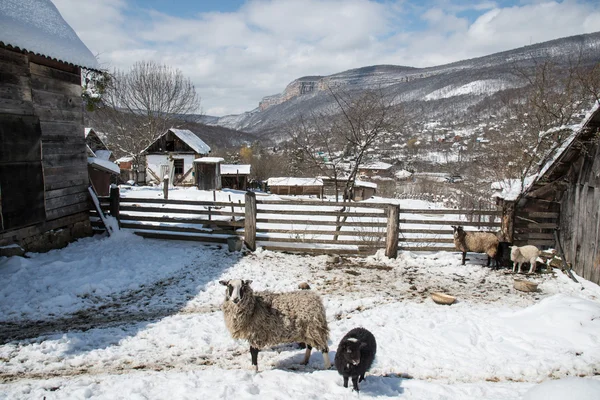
(235,176)
(208,173)
(296,186)
(173,155)
(43,161)
(570,184)
(101,167)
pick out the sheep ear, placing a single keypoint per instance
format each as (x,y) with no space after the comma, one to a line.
(248,282)
(224,283)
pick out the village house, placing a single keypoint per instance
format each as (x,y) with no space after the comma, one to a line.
(173,155)
(43,161)
(380,169)
(362,190)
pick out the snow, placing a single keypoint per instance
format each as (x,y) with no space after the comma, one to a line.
(38,27)
(209,160)
(191,140)
(124,159)
(103,154)
(485,86)
(123,317)
(105,165)
(377,166)
(359,183)
(290,181)
(234,169)
(510,189)
(403,174)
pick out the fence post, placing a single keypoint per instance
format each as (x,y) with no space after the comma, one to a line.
(114,202)
(393,231)
(250,221)
(166,187)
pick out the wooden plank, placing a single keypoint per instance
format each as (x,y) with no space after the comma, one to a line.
(173,228)
(16,107)
(426,240)
(52,85)
(64,201)
(158,235)
(393,227)
(64,171)
(72,77)
(381,243)
(17,58)
(250,220)
(380,233)
(60,182)
(15,91)
(320,251)
(495,213)
(427,248)
(62,131)
(538,214)
(128,217)
(15,70)
(72,160)
(22,233)
(324,213)
(442,222)
(180,211)
(321,203)
(535,242)
(545,225)
(19,139)
(66,211)
(53,114)
(51,194)
(325,223)
(179,202)
(61,101)
(534,235)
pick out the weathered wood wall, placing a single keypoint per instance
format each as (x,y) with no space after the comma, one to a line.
(580,216)
(47,93)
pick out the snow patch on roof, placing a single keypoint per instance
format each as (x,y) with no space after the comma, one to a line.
(358,183)
(377,165)
(510,189)
(38,27)
(191,140)
(104,165)
(209,160)
(287,181)
(234,169)
(103,154)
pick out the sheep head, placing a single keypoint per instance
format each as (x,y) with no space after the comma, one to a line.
(237,289)
(458,231)
(350,349)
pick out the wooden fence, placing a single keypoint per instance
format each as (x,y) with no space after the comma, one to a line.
(297,226)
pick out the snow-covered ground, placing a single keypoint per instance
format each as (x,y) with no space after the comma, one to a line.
(123,317)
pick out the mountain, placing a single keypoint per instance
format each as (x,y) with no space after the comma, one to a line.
(441,92)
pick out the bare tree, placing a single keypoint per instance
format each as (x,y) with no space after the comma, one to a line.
(139,105)
(538,116)
(335,142)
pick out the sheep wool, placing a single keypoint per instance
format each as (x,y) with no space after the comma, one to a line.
(523,254)
(268,319)
(476,242)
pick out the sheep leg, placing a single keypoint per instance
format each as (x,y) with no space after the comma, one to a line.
(307,354)
(464,255)
(326,360)
(345,381)
(355,383)
(361,378)
(533,263)
(520,265)
(254,355)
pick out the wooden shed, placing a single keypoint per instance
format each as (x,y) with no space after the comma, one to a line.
(296,186)
(235,176)
(43,161)
(570,184)
(173,155)
(208,173)
(362,190)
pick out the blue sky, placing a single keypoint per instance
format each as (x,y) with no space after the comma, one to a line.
(238,51)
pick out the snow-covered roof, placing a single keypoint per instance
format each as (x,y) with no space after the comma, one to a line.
(510,189)
(287,181)
(104,165)
(209,160)
(37,26)
(377,166)
(234,169)
(124,159)
(358,183)
(402,174)
(191,140)
(103,154)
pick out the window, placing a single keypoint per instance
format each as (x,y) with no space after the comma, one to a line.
(178,165)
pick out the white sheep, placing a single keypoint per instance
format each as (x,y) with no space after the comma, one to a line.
(476,242)
(523,254)
(268,319)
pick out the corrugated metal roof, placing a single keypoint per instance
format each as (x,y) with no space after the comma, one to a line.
(37,26)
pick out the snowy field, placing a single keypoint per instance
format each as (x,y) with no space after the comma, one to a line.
(131,318)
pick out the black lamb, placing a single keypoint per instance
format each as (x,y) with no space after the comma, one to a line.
(355,354)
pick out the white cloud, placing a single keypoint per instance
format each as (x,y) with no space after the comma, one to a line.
(238,57)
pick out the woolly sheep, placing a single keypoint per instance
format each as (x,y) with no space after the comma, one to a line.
(268,319)
(521,255)
(355,354)
(476,242)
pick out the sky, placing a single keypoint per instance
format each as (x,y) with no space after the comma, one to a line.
(238,51)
